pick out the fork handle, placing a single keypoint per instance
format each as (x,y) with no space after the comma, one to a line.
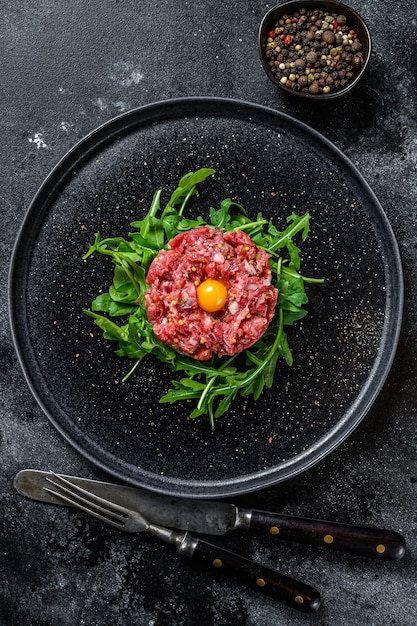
(269,581)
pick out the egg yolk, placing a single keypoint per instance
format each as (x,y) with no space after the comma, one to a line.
(211,295)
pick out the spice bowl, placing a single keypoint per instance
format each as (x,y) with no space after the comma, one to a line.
(314,49)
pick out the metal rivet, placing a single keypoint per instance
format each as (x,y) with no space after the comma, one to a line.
(328,539)
(299,599)
(274,530)
(380,548)
(217,563)
(260,582)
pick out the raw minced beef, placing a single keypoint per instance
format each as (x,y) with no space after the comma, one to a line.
(210,253)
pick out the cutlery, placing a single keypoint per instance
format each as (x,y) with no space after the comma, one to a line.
(294,593)
(216,518)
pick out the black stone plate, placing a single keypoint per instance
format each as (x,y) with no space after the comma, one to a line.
(343,349)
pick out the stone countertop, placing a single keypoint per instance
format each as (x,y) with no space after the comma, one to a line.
(67,68)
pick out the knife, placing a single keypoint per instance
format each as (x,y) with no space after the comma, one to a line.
(216,518)
(269,581)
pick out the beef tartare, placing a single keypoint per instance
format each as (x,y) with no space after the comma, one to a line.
(210,293)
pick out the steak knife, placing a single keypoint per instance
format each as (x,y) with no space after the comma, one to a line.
(216,518)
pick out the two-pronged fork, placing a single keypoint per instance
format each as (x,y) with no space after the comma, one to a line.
(270,581)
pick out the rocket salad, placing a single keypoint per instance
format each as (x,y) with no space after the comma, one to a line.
(211,385)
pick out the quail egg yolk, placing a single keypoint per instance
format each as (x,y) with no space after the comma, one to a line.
(211,295)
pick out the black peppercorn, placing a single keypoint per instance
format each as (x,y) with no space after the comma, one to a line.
(314,51)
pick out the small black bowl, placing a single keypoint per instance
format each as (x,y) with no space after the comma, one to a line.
(353,20)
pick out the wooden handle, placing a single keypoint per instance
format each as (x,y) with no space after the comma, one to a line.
(371,542)
(269,581)
(293,593)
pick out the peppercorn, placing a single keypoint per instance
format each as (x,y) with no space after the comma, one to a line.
(313,51)
(300,64)
(328,36)
(311,57)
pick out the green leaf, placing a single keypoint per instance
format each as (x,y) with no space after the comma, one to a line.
(192,384)
(187,185)
(210,385)
(269,371)
(197,413)
(224,404)
(218,218)
(102,303)
(176,394)
(110,329)
(145,244)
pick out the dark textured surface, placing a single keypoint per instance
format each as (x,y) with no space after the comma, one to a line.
(65,70)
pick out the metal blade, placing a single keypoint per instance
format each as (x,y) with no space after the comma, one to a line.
(200,516)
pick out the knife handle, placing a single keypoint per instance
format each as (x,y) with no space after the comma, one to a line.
(292,592)
(372,542)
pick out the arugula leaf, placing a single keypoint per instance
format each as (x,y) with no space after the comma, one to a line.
(215,384)
(187,187)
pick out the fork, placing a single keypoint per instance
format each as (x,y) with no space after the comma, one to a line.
(268,580)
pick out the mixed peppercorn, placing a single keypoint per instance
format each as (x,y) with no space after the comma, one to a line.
(313,51)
